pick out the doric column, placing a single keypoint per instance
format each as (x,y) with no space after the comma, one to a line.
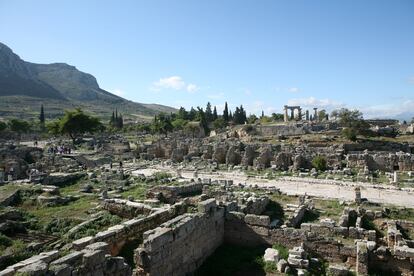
(285,117)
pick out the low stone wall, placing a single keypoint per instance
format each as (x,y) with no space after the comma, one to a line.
(60,179)
(180,246)
(282,130)
(92,260)
(255,230)
(125,208)
(170,194)
(116,236)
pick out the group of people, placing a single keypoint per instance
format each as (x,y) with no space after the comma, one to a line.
(59,150)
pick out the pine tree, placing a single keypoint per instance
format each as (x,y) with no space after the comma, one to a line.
(262,114)
(42,116)
(226,113)
(230,117)
(215,116)
(192,114)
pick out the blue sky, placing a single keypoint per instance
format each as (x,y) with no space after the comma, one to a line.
(262,54)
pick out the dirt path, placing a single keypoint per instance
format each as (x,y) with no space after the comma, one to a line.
(300,186)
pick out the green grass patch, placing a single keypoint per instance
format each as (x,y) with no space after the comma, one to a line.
(283,251)
(73,210)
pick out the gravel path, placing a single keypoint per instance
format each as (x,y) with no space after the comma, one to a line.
(341,190)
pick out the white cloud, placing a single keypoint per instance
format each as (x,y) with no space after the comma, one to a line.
(174,83)
(293,90)
(314,102)
(192,88)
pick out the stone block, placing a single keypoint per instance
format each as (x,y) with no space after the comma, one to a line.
(82,243)
(159,238)
(271,255)
(93,258)
(235,216)
(206,206)
(281,265)
(61,270)
(257,220)
(103,246)
(34,269)
(338,270)
(71,259)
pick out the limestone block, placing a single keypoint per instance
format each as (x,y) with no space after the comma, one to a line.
(61,270)
(362,259)
(103,246)
(271,255)
(257,220)
(71,259)
(36,269)
(235,216)
(371,245)
(338,270)
(156,240)
(372,235)
(93,258)
(207,205)
(7,272)
(281,265)
(81,243)
(105,235)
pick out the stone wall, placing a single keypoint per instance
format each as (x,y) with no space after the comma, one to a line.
(116,236)
(282,130)
(181,245)
(252,230)
(92,260)
(170,194)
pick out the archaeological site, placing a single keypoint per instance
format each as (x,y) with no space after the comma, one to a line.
(218,138)
(293,197)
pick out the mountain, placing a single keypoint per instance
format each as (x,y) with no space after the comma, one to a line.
(24,86)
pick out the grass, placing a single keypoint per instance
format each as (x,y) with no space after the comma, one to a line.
(137,192)
(401,213)
(283,251)
(74,210)
(329,208)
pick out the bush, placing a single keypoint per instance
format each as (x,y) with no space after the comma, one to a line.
(283,251)
(319,163)
(350,134)
(5,241)
(161,175)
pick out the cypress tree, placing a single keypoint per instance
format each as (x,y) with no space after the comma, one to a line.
(209,113)
(215,116)
(42,116)
(226,113)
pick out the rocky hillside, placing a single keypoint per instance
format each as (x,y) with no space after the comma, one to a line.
(58,86)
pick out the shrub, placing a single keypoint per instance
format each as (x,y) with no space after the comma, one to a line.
(5,241)
(283,251)
(319,163)
(350,134)
(161,175)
